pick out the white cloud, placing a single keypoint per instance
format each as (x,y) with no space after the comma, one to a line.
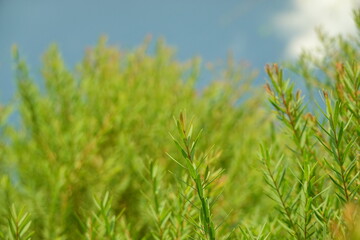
(298,24)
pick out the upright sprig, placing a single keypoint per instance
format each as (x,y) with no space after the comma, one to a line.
(290,109)
(168,210)
(104,224)
(159,207)
(342,163)
(276,181)
(19,225)
(200,182)
(348,88)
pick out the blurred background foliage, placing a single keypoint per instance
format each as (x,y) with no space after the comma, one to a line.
(97,128)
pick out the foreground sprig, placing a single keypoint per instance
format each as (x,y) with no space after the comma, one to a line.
(193,166)
(290,110)
(305,204)
(19,225)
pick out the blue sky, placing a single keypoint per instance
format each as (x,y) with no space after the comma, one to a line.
(258,31)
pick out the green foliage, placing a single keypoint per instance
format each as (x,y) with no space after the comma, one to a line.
(19,225)
(237,170)
(200,181)
(323,183)
(103,224)
(96,128)
(325,150)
